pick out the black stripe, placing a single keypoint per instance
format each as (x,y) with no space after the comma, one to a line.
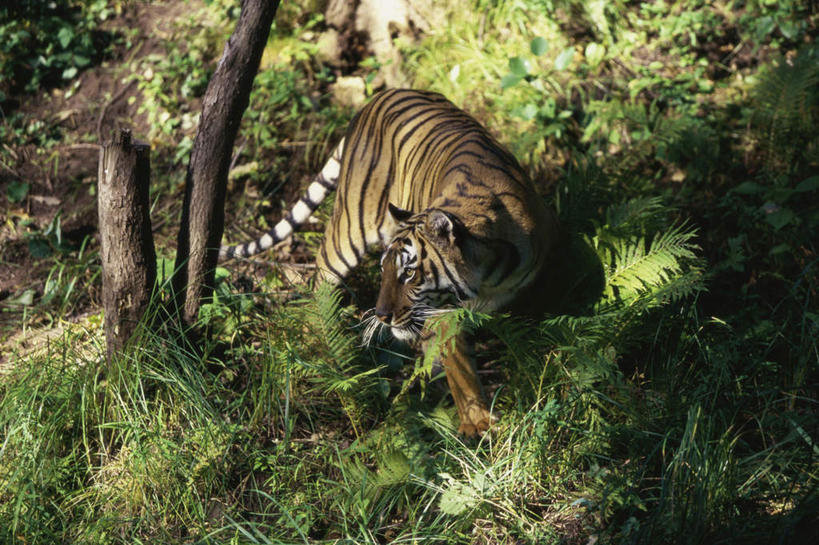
(432,146)
(324,182)
(458,290)
(432,152)
(434,270)
(424,122)
(338,253)
(363,200)
(383,199)
(288,217)
(328,264)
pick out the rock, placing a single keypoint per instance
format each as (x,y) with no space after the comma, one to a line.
(328,51)
(349,91)
(382,19)
(338,12)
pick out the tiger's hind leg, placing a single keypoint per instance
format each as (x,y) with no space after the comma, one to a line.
(458,360)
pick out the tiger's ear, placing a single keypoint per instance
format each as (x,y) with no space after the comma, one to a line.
(399,214)
(441,226)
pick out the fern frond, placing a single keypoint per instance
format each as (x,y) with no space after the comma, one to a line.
(348,384)
(582,331)
(634,212)
(335,352)
(785,91)
(581,195)
(787,106)
(634,266)
(327,318)
(448,325)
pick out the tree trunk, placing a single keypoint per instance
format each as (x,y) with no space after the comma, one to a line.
(203,212)
(127,245)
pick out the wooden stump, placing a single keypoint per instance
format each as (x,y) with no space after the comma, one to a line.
(127,246)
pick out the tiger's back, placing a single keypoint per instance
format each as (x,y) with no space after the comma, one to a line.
(417,151)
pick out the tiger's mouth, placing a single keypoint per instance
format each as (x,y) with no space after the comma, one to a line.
(407,329)
(406,333)
(406,325)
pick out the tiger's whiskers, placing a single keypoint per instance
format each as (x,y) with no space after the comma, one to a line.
(425,311)
(372,327)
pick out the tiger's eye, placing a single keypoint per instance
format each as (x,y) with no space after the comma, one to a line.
(407,275)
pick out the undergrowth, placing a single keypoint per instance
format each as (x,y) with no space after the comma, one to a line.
(45,43)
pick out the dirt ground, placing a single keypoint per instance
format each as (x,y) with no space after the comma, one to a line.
(62,180)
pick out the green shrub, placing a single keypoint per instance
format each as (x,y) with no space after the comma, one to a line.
(43,42)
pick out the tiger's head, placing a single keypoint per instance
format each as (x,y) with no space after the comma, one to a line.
(426,266)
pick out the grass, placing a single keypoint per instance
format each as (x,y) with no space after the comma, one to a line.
(674,403)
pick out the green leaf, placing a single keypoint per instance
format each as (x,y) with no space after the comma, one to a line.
(594,54)
(26,298)
(38,248)
(789,30)
(779,249)
(564,59)
(17,191)
(554,128)
(765,26)
(510,80)
(549,108)
(527,112)
(780,218)
(70,72)
(519,66)
(538,46)
(748,188)
(808,184)
(458,497)
(65,35)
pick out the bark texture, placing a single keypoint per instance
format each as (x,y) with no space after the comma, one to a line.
(225,101)
(127,246)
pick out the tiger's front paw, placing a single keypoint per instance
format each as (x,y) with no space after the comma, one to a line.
(476,421)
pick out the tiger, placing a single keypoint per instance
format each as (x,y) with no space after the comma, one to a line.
(457,220)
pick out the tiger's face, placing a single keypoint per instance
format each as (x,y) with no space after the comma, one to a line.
(422,271)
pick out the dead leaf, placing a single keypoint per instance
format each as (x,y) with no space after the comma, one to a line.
(45,199)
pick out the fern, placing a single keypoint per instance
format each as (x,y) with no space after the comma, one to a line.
(448,325)
(787,107)
(635,267)
(581,196)
(642,272)
(334,363)
(633,211)
(327,317)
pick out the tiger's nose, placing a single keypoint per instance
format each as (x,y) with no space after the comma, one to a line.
(383,315)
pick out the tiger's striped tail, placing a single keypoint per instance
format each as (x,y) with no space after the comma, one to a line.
(322,184)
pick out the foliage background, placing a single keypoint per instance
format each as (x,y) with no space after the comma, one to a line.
(676,405)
